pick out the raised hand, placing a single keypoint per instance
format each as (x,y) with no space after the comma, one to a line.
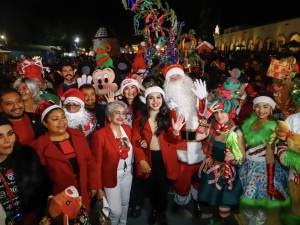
(110,97)
(178,124)
(211,109)
(84,79)
(200,89)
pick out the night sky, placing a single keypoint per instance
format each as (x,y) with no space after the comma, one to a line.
(56,22)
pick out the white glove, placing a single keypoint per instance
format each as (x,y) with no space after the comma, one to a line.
(200,89)
(84,79)
(172,104)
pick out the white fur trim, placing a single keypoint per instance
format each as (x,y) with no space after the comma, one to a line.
(194,193)
(128,81)
(154,89)
(264,99)
(47,110)
(182,200)
(193,154)
(174,71)
(73,100)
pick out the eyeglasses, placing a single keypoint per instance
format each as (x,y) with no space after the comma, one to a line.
(119,113)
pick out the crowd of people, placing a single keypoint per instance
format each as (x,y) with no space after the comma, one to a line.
(225,139)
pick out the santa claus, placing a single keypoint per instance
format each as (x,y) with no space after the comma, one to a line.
(78,117)
(186,98)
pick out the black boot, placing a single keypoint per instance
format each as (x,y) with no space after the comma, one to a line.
(162,219)
(175,207)
(153,217)
(197,209)
(136,211)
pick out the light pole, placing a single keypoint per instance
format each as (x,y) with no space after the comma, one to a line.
(76,42)
(3,40)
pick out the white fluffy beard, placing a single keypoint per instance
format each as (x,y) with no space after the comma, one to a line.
(180,92)
(78,119)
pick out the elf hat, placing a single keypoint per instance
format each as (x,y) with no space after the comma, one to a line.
(175,69)
(74,96)
(103,59)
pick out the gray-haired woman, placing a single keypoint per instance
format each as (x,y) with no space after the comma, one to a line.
(30,93)
(112,149)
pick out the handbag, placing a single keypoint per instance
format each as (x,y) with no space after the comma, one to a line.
(98,217)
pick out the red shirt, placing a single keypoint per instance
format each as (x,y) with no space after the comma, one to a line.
(24,131)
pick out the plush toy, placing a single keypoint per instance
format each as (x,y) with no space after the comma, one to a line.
(289,155)
(104,76)
(66,208)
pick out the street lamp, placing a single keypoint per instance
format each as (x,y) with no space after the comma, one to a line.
(77,40)
(3,40)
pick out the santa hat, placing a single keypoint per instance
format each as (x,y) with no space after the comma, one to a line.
(74,96)
(127,82)
(175,69)
(154,89)
(44,108)
(264,99)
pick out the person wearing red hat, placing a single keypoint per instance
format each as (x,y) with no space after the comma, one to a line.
(185,98)
(130,90)
(66,155)
(154,134)
(78,117)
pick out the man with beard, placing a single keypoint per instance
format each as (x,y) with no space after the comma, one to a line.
(69,79)
(92,105)
(181,96)
(78,117)
(26,126)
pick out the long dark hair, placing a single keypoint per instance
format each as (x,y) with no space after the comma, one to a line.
(163,118)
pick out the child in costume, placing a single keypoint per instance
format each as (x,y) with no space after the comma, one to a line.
(223,147)
(263,179)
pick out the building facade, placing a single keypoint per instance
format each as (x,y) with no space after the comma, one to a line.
(266,37)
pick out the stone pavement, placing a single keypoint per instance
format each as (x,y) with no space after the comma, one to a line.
(184,216)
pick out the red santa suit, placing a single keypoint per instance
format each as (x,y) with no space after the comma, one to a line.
(182,101)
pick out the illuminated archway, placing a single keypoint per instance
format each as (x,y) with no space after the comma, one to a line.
(250,45)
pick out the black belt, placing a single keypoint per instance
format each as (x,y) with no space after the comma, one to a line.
(188,135)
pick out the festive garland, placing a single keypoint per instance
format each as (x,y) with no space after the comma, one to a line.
(158,24)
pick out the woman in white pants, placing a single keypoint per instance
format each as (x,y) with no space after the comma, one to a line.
(112,149)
